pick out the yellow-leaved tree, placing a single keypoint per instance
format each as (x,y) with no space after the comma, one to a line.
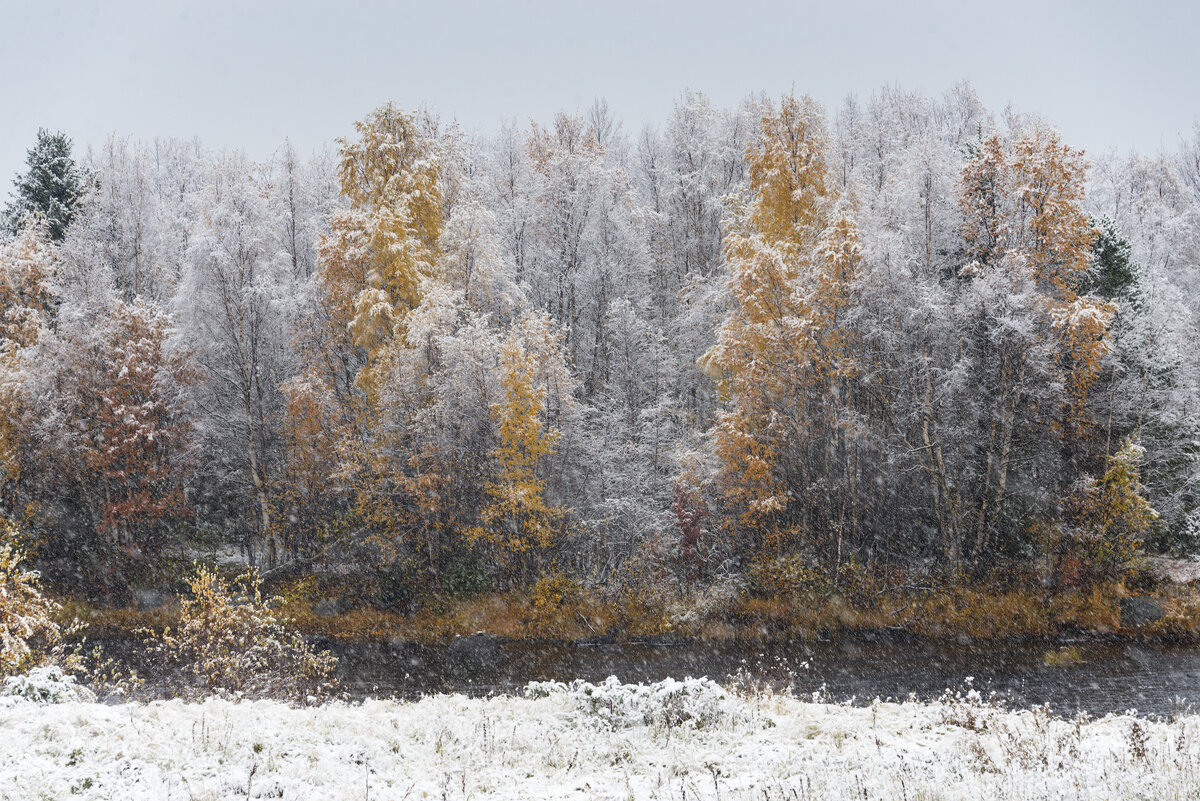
(1110,518)
(372,265)
(783,345)
(376,254)
(517,520)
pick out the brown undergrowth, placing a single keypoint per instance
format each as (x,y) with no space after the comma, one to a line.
(569,612)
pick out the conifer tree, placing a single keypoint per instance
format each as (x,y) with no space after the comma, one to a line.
(51,188)
(1114,275)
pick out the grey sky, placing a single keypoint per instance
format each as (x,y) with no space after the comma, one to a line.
(246,74)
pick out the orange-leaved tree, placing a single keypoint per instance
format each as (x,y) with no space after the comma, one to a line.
(138,432)
(27,263)
(1028,244)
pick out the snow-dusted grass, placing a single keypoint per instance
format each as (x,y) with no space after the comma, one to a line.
(672,740)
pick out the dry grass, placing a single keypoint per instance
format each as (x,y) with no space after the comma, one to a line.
(108,620)
(1182,620)
(937,612)
(1063,657)
(979,613)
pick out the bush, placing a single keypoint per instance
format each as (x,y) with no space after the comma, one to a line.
(693,703)
(394,586)
(46,685)
(786,576)
(1110,518)
(28,630)
(230,640)
(798,576)
(552,593)
(467,577)
(704,606)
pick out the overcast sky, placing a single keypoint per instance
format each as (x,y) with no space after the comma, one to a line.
(247,74)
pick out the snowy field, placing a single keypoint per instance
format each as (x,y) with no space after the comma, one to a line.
(673,740)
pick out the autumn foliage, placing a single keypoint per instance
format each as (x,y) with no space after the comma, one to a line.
(517,521)
(139,433)
(763,346)
(232,640)
(27,618)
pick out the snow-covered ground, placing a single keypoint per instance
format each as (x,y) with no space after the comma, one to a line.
(673,740)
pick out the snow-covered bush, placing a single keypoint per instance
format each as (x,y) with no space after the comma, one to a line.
(46,685)
(969,708)
(230,640)
(27,626)
(695,703)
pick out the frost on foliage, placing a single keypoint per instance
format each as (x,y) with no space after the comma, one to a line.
(45,685)
(694,703)
(968,708)
(706,604)
(231,640)
(27,625)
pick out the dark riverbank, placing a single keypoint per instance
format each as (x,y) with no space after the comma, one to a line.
(1099,675)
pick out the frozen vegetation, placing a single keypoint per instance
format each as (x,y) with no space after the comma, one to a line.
(805,352)
(689,739)
(905,366)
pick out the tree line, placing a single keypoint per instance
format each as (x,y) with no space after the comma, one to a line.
(909,332)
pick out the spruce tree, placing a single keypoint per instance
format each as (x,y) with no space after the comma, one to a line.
(1138,391)
(1114,275)
(51,188)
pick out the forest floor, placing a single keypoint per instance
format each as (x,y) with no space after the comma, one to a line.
(935,612)
(671,740)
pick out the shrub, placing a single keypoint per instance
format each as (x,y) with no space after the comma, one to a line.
(467,577)
(230,640)
(693,703)
(785,576)
(393,585)
(28,630)
(46,685)
(646,577)
(1111,518)
(860,584)
(970,710)
(552,593)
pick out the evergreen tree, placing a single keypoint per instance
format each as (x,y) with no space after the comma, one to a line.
(51,188)
(1140,389)
(1114,274)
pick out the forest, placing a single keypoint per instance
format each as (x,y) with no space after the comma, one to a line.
(764,349)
